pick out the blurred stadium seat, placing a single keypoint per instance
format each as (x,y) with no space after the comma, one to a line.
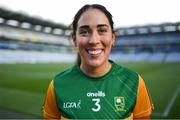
(156,57)
(20,56)
(150,43)
(29,39)
(173,57)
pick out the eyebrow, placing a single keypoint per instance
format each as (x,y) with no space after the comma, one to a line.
(102,25)
(84,26)
(87,26)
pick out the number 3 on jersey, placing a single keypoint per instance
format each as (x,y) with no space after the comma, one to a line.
(98,107)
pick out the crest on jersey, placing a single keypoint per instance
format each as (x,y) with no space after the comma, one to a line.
(119,103)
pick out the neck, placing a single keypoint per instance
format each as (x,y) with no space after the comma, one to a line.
(96,71)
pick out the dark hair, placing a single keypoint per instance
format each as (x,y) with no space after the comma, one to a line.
(85,8)
(81,11)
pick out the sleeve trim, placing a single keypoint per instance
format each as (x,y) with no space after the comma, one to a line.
(47,115)
(144,113)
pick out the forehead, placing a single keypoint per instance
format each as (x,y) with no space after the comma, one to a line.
(93,17)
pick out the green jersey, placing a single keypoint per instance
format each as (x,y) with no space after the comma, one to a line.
(111,96)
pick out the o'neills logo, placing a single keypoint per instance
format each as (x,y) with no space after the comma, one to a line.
(96,94)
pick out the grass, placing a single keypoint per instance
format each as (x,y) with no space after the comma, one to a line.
(23,86)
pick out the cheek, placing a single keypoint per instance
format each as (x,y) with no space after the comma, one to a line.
(81,42)
(108,42)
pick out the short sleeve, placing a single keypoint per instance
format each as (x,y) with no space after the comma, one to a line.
(50,109)
(144,106)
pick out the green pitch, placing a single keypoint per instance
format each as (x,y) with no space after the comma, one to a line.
(23,86)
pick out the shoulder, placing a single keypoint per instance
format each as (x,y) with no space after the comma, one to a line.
(126,76)
(125,71)
(144,104)
(67,72)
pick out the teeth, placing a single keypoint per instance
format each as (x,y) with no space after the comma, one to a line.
(94,52)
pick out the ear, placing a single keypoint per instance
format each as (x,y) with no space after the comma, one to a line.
(74,39)
(113,38)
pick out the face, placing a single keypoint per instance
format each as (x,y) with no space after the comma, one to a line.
(93,38)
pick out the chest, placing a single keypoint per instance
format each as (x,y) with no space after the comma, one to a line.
(83,98)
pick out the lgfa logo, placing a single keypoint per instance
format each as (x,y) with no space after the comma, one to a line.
(68,105)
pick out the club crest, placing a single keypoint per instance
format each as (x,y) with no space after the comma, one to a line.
(119,103)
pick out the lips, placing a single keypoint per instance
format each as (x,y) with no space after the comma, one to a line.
(94,52)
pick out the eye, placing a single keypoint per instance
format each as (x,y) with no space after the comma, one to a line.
(83,32)
(102,30)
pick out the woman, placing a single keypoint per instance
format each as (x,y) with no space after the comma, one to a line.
(96,88)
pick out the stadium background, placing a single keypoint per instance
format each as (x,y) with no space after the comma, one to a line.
(33,50)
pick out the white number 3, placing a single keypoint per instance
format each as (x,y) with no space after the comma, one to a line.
(97,100)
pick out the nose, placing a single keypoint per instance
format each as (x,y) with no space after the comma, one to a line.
(94,38)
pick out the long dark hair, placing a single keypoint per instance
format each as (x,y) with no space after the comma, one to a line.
(82,10)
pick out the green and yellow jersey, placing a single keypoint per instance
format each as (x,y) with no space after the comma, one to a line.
(119,94)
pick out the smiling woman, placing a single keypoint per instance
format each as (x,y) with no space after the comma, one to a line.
(93,39)
(96,87)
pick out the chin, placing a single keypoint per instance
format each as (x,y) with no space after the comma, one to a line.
(95,63)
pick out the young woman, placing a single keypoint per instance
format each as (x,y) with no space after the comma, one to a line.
(96,87)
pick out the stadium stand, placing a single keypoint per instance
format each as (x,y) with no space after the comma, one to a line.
(20,56)
(155,57)
(28,39)
(173,57)
(152,43)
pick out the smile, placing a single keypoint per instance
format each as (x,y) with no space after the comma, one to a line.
(95,52)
